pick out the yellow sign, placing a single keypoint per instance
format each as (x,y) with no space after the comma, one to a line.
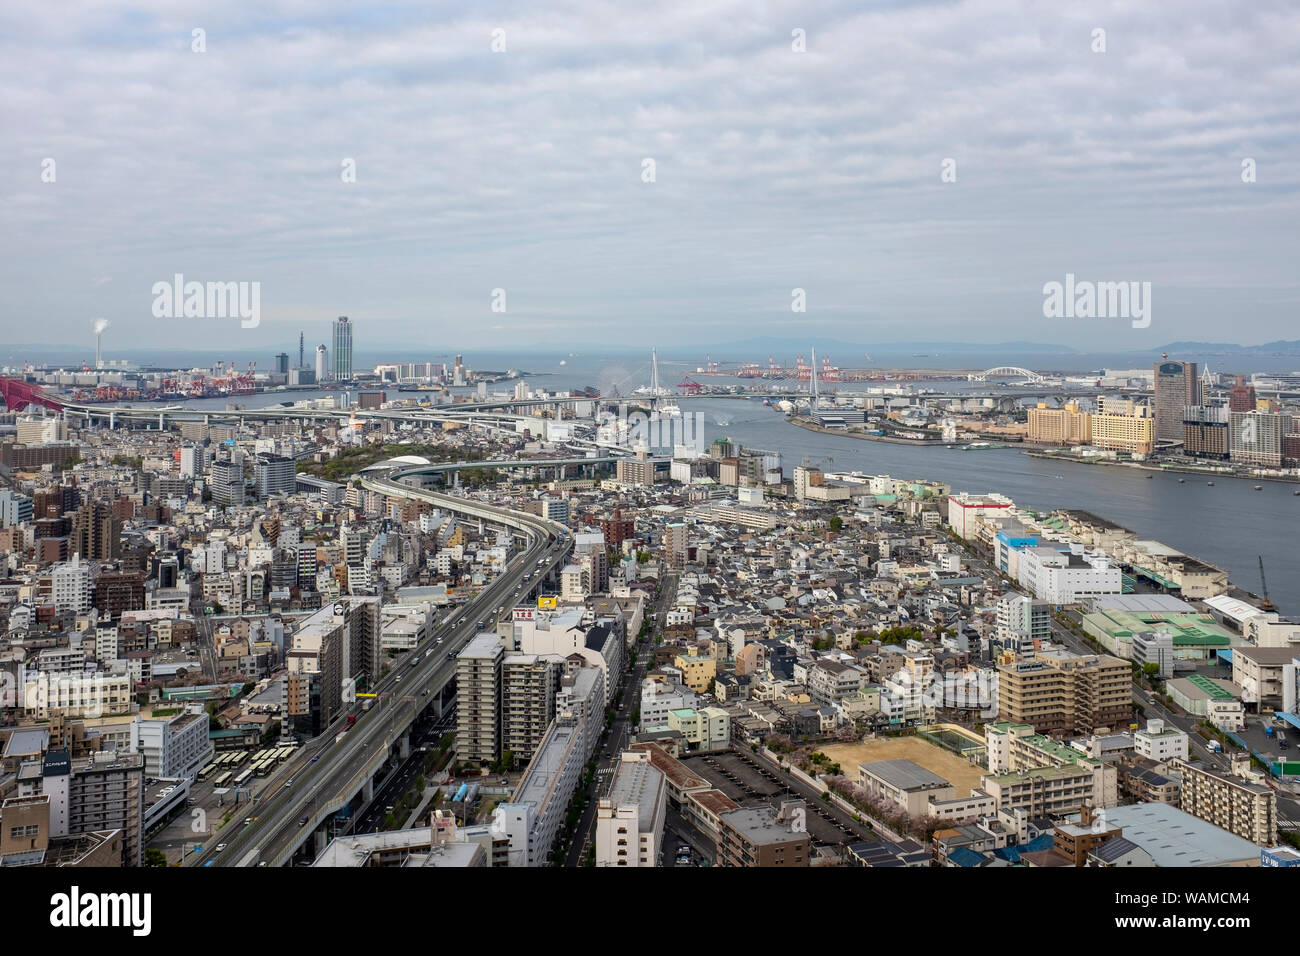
(546,603)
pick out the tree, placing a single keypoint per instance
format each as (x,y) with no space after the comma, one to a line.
(836,523)
(155,858)
(1150,669)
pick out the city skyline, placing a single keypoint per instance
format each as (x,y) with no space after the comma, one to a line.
(719,434)
(918,177)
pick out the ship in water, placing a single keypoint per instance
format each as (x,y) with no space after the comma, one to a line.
(587,391)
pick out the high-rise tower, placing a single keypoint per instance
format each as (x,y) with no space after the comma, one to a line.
(342,349)
(1177,386)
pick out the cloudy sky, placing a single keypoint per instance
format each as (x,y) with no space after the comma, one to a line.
(524,169)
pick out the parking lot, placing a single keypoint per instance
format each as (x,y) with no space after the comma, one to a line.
(751,784)
(1256,736)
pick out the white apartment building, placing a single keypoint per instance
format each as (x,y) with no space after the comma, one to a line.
(830,682)
(173,747)
(536,811)
(909,694)
(581,695)
(658,699)
(630,818)
(87,695)
(194,461)
(1160,743)
(71,586)
(573,586)
(564,633)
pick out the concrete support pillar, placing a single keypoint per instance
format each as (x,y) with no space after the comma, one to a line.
(321,837)
(112,419)
(162,421)
(404,746)
(368,790)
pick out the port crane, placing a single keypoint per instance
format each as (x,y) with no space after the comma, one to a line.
(1263,583)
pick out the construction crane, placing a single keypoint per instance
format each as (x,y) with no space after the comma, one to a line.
(1263,583)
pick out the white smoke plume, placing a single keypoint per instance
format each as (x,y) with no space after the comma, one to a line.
(100,325)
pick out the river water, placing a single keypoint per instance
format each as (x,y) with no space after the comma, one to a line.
(1229,525)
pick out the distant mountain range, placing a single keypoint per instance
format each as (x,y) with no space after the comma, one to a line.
(1285,346)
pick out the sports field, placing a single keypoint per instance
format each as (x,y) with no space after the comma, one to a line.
(962,775)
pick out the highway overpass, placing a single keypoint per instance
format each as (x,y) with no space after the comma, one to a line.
(326,775)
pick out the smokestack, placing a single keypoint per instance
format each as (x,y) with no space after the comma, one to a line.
(99,326)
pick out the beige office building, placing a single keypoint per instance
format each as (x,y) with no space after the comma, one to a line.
(1060,426)
(1122,425)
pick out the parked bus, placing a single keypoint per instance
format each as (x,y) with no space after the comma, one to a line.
(207,771)
(283,754)
(222,779)
(243,777)
(264,768)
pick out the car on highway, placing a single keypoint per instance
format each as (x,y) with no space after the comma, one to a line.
(302,822)
(247,820)
(288,783)
(315,757)
(220,847)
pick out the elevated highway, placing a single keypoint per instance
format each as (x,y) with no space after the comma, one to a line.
(327,775)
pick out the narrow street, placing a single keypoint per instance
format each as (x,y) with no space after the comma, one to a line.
(620,730)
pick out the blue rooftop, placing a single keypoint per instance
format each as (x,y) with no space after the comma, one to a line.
(965,856)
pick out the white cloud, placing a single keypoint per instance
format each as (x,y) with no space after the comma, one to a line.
(522,170)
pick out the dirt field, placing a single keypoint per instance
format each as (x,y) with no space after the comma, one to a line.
(962,775)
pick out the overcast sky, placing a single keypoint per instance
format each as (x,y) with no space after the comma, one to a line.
(523,170)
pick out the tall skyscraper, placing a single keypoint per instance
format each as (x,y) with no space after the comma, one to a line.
(342,349)
(1177,386)
(282,363)
(322,363)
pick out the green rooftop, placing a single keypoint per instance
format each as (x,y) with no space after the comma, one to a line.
(1202,682)
(1187,630)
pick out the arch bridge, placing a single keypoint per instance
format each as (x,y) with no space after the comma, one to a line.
(1008,371)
